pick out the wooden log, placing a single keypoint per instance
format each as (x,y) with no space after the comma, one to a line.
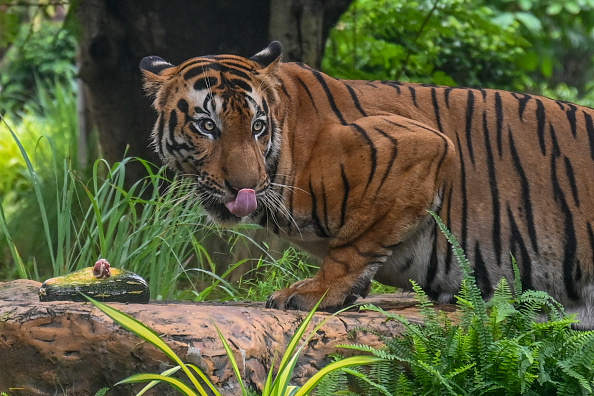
(72,348)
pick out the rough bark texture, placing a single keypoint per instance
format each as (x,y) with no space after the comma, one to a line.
(72,348)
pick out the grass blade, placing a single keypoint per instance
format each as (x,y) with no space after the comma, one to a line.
(204,378)
(231,359)
(13,249)
(348,362)
(166,373)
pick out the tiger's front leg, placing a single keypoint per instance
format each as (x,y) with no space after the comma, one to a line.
(344,276)
(364,210)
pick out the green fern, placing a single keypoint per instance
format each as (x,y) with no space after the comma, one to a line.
(518,343)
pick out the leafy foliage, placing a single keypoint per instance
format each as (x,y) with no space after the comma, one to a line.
(540,46)
(440,41)
(519,343)
(40,51)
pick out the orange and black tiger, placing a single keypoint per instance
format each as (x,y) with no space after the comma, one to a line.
(347,170)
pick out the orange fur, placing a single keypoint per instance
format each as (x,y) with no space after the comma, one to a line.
(348,169)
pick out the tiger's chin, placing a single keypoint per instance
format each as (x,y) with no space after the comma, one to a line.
(220,215)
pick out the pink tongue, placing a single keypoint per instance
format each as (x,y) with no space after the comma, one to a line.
(244,204)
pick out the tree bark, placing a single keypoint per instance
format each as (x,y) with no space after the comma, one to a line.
(72,348)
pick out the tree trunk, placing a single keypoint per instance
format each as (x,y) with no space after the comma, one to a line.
(72,348)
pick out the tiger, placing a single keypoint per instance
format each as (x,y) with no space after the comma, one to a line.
(349,171)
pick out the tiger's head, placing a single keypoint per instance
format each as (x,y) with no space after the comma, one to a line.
(217,123)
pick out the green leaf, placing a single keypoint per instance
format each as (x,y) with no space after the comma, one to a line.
(572,7)
(554,8)
(166,373)
(338,365)
(145,377)
(530,21)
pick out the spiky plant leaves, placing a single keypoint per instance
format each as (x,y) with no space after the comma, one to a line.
(149,335)
(146,377)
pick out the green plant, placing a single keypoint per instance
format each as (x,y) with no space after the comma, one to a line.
(274,386)
(498,347)
(429,41)
(41,50)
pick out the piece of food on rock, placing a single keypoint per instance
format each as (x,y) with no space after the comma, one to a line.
(101,282)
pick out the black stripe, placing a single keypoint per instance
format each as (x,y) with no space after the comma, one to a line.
(590,131)
(314,213)
(394,142)
(448,258)
(571,117)
(481,272)
(355,100)
(469,116)
(345,198)
(195,64)
(541,118)
(524,262)
(570,248)
(523,99)
(392,84)
(432,268)
(205,83)
(496,232)
(499,118)
(320,77)
(284,89)
(235,63)
(526,197)
(436,109)
(446,94)
(484,93)
(244,85)
(183,106)
(464,193)
(572,183)
(308,92)
(373,151)
(413,94)
(172,124)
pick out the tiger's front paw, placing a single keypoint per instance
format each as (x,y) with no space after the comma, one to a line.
(305,294)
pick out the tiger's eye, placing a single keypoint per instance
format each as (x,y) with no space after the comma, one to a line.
(209,125)
(258,125)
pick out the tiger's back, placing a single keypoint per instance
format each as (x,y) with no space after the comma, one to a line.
(348,169)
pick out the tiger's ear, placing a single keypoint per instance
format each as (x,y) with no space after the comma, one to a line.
(155,71)
(269,57)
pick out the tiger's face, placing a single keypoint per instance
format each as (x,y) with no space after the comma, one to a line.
(217,125)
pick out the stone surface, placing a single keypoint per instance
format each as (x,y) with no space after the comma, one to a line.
(73,349)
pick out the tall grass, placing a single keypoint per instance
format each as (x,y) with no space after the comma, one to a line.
(55,218)
(46,129)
